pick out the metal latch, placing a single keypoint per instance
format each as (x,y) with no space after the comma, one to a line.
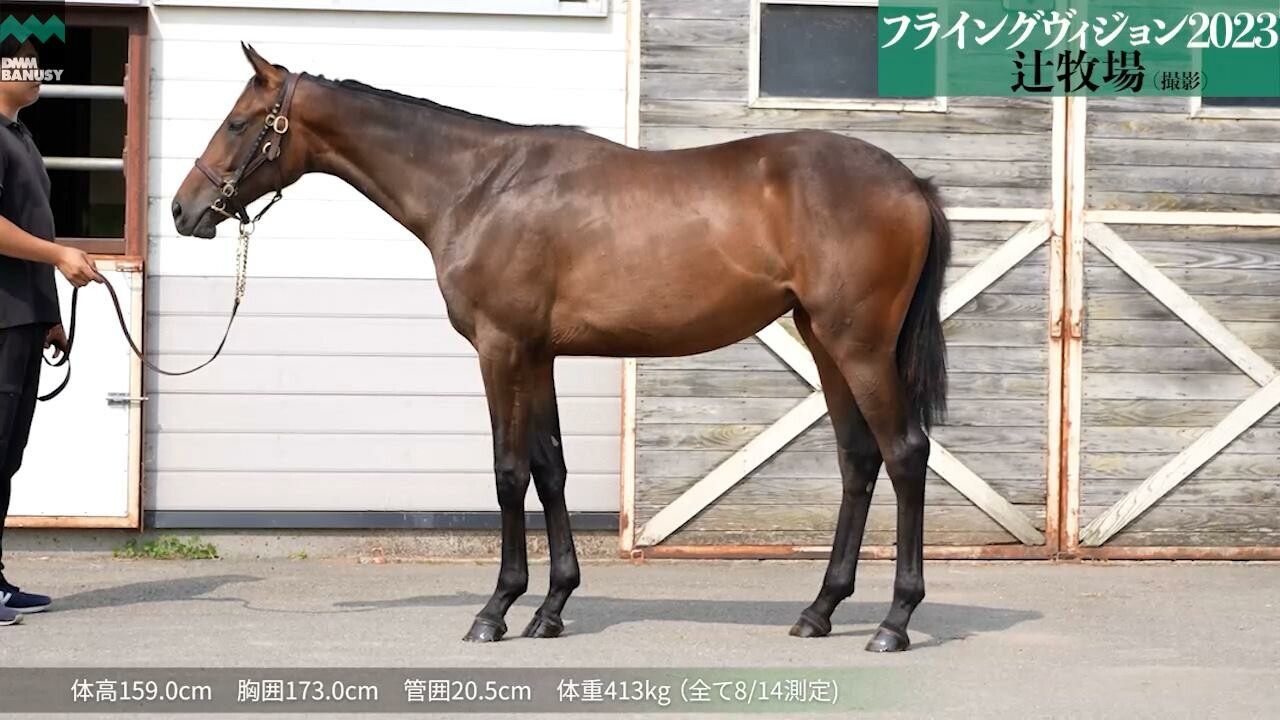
(116,399)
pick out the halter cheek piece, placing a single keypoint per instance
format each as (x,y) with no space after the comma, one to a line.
(228,204)
(265,150)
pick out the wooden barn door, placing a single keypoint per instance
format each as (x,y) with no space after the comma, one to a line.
(1172,388)
(730,454)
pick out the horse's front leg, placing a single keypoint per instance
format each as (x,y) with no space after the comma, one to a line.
(506,383)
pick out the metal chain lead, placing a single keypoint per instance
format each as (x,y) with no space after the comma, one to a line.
(242,260)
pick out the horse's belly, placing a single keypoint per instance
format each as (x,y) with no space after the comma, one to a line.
(656,321)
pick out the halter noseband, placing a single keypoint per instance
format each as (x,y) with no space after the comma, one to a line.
(263,152)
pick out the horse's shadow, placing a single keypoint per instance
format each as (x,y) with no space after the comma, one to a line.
(152,591)
(591,614)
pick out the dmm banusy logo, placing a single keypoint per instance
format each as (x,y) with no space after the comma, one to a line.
(30,25)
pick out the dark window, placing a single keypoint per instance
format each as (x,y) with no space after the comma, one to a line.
(818,51)
(1266,102)
(87,130)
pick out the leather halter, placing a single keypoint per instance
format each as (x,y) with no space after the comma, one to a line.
(265,150)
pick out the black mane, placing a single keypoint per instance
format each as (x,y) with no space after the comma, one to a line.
(360,87)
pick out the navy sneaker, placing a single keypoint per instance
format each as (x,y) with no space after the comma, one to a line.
(23,602)
(9,617)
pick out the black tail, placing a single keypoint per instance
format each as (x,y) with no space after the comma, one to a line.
(922,349)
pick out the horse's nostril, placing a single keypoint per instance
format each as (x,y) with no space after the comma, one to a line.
(177,210)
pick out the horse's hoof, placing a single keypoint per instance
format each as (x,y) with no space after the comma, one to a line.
(811,625)
(486,630)
(544,626)
(888,640)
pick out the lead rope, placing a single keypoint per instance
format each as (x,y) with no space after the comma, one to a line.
(242,274)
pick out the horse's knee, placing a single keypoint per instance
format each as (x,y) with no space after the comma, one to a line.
(550,476)
(512,482)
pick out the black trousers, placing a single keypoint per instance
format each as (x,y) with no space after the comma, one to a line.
(20,351)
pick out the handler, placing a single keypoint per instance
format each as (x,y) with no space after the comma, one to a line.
(30,319)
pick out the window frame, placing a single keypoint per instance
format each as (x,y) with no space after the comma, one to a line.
(1198,110)
(136,89)
(937,104)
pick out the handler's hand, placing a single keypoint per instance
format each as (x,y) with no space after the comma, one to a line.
(77,267)
(57,339)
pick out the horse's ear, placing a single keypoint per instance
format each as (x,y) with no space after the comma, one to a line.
(265,71)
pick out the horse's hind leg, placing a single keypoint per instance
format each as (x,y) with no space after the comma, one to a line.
(859,464)
(547,455)
(864,350)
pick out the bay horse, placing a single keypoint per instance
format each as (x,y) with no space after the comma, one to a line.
(549,241)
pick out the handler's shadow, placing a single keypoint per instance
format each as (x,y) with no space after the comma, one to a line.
(590,614)
(171,590)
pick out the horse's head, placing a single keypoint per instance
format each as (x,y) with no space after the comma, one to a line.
(253,153)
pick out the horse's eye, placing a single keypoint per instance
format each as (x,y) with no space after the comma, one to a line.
(237,126)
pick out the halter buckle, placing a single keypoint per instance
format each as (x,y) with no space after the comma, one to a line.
(228,190)
(278,123)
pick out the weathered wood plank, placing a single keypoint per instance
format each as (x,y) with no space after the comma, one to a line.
(1104,104)
(1218,518)
(1028,467)
(998,307)
(820,438)
(959,358)
(731,33)
(717,383)
(1141,306)
(1098,199)
(1173,333)
(1262,256)
(1168,156)
(966,329)
(1138,466)
(736,115)
(1197,492)
(1172,386)
(825,490)
(945,518)
(693,58)
(1170,440)
(1165,360)
(1196,281)
(1197,235)
(1169,126)
(995,197)
(686,86)
(972,413)
(728,9)
(1164,413)
(1184,180)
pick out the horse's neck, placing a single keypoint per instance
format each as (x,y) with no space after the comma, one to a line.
(408,160)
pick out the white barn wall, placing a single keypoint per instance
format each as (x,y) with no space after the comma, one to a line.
(343,386)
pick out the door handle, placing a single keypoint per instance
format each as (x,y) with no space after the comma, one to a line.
(117,399)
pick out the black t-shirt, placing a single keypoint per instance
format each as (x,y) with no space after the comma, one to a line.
(27,291)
